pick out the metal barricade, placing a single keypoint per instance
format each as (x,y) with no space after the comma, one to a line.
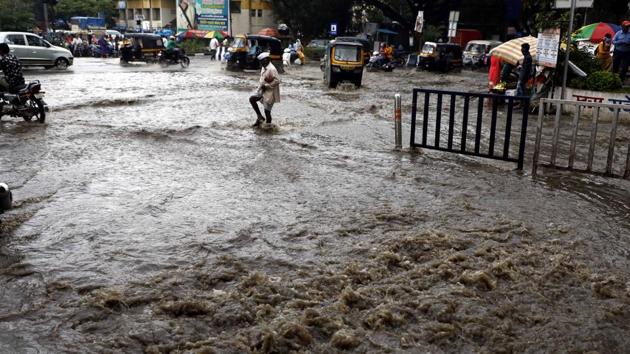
(580,108)
(470,100)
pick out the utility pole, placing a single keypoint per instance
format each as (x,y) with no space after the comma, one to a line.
(568,51)
(250,16)
(45,3)
(150,15)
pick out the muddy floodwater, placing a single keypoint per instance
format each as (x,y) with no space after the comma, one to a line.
(150,218)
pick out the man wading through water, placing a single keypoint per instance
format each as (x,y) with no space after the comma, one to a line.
(268,89)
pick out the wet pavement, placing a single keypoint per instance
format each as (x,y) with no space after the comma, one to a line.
(151,218)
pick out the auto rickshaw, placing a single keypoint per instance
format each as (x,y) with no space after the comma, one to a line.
(141,47)
(243,54)
(367,48)
(476,53)
(344,62)
(440,56)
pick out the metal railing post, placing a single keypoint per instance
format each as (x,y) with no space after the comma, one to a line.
(611,148)
(398,120)
(576,127)
(539,127)
(556,134)
(591,148)
(414,110)
(522,145)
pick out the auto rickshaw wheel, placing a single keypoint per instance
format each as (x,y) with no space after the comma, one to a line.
(185,62)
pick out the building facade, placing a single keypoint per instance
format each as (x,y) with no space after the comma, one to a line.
(250,16)
(153,14)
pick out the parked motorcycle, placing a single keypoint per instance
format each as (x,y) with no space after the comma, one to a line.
(27,103)
(174,58)
(379,63)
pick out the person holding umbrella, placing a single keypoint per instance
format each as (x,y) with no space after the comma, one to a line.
(621,55)
(268,89)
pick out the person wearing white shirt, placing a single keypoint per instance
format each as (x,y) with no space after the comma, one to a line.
(214,45)
(268,89)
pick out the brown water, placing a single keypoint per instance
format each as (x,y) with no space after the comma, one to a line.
(151,218)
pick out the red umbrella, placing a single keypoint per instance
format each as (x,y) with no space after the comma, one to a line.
(595,32)
(190,34)
(271,32)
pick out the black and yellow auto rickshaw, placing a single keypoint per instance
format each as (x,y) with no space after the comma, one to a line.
(142,47)
(344,61)
(366,45)
(440,56)
(244,52)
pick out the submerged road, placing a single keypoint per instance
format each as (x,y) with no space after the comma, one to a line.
(151,218)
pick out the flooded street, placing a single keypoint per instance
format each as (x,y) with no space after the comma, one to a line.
(149,217)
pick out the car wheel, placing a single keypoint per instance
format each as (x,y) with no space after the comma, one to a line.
(62,63)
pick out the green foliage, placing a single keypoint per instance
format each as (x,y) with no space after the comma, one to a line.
(585,61)
(313,18)
(192,46)
(16,15)
(603,81)
(432,33)
(69,8)
(598,81)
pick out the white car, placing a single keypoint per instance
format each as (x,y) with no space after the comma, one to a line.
(33,50)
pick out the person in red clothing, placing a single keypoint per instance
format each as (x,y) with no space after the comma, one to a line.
(494,75)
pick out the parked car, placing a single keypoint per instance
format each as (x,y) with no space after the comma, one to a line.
(316,49)
(33,50)
(440,56)
(476,52)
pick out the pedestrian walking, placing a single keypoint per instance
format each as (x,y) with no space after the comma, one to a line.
(621,54)
(214,45)
(526,71)
(268,91)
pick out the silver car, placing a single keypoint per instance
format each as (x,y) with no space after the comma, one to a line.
(33,50)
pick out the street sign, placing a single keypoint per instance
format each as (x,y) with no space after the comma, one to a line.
(453,19)
(419,22)
(333,29)
(566,4)
(547,48)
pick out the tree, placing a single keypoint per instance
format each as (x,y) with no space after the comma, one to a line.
(16,15)
(66,9)
(313,18)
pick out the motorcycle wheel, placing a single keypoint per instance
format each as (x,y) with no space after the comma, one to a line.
(36,107)
(185,62)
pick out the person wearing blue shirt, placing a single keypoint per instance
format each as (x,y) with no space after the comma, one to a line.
(621,55)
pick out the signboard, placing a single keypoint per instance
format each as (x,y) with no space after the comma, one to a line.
(547,48)
(333,29)
(213,15)
(419,22)
(453,19)
(206,15)
(566,4)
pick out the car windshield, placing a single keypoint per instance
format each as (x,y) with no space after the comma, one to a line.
(346,53)
(476,48)
(239,43)
(428,48)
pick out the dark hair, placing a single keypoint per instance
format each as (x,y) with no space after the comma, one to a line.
(607,35)
(525,46)
(4,48)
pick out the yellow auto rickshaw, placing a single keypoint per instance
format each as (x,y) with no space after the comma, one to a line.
(344,61)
